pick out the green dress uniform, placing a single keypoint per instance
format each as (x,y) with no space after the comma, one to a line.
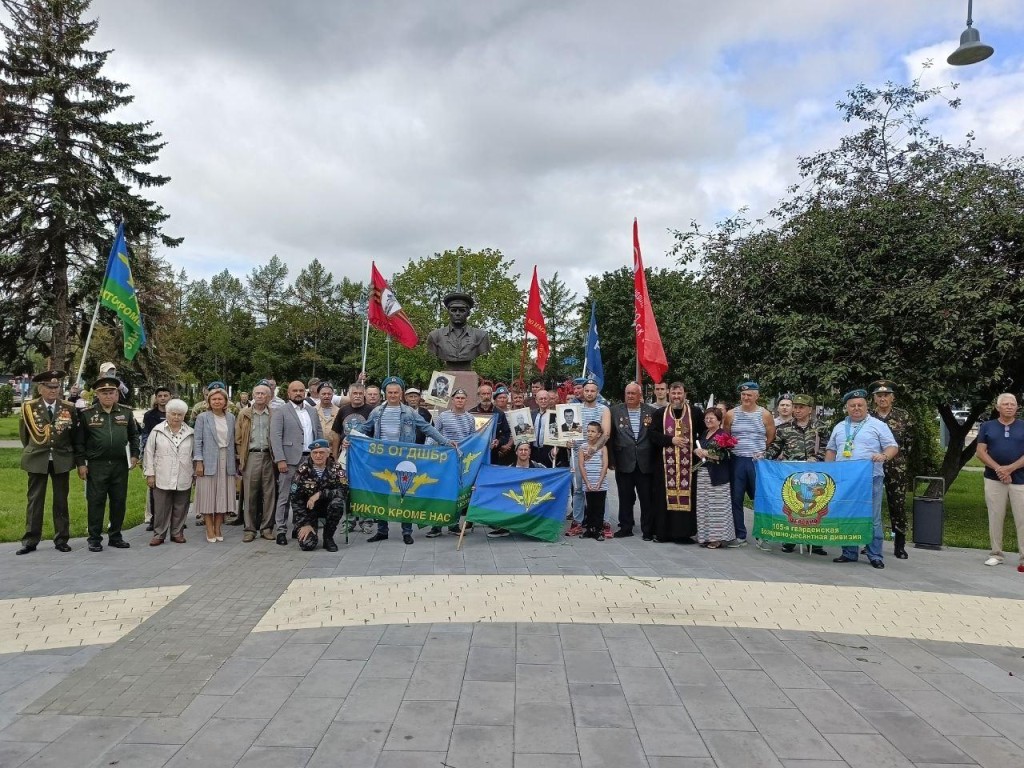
(46,431)
(100,443)
(897,473)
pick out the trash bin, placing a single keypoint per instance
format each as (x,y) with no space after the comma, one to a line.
(929,512)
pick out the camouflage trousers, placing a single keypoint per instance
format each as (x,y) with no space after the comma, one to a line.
(897,485)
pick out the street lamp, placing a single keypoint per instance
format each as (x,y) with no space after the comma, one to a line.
(971,49)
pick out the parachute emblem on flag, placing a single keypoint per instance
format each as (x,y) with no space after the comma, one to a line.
(404,480)
(531,495)
(467,461)
(805,497)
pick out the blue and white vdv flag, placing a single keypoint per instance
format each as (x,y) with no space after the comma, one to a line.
(810,502)
(595,368)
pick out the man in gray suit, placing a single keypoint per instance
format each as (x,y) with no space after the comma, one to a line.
(293,427)
(47,425)
(633,456)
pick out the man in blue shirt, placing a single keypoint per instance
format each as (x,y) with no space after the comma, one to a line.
(860,436)
(1001,450)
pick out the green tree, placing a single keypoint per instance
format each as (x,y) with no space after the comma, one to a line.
(267,288)
(562,318)
(899,256)
(68,172)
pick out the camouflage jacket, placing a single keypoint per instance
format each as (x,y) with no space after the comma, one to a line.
(899,421)
(306,483)
(793,443)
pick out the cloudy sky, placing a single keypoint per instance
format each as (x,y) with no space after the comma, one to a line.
(349,131)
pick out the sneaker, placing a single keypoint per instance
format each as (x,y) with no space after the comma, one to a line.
(994,560)
(574,530)
(498,533)
(763,545)
(434,532)
(736,543)
(601,536)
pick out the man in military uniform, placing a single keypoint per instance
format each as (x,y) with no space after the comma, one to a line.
(106,450)
(897,474)
(803,438)
(47,425)
(458,344)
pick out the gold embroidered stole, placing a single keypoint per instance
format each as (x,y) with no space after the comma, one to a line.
(678,461)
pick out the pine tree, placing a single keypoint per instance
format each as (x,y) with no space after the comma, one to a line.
(67,174)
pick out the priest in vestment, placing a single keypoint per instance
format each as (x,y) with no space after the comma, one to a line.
(674,496)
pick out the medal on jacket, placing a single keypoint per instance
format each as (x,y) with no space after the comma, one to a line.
(850,437)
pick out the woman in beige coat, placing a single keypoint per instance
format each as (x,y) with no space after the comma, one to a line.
(167,465)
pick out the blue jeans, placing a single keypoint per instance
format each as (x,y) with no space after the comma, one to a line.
(579,497)
(875,547)
(382,527)
(743,479)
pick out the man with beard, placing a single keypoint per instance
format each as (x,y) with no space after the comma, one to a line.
(674,496)
(293,427)
(501,446)
(633,459)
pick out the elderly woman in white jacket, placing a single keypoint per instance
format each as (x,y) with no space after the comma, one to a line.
(167,465)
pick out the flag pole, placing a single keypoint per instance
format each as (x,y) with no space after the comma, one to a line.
(88,339)
(366,340)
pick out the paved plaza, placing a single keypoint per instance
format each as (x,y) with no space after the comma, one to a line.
(511,652)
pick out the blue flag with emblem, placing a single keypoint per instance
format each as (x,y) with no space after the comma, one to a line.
(808,502)
(530,501)
(595,368)
(475,451)
(405,482)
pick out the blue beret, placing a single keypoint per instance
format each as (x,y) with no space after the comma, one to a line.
(393,380)
(581,380)
(321,443)
(460,391)
(216,385)
(748,386)
(855,393)
(501,390)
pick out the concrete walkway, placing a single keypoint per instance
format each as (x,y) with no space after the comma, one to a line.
(511,653)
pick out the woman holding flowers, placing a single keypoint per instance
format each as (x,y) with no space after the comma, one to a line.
(714,507)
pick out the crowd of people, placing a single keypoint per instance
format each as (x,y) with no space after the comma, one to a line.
(276,466)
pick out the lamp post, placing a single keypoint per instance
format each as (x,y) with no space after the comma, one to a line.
(971,49)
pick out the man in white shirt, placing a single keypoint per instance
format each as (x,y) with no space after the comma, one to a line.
(293,427)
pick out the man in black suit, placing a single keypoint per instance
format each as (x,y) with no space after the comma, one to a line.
(632,455)
(569,421)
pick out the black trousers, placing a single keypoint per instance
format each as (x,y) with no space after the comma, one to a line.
(34,508)
(635,486)
(593,517)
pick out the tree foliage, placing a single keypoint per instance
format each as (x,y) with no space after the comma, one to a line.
(68,173)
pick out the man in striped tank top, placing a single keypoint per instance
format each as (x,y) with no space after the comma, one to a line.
(754,429)
(592,411)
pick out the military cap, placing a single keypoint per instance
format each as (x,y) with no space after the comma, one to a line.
(413,391)
(107,367)
(803,400)
(392,380)
(460,391)
(105,382)
(749,386)
(882,386)
(786,396)
(325,384)
(320,443)
(855,393)
(48,377)
(160,389)
(458,296)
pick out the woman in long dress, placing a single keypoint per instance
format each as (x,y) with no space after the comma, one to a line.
(714,508)
(216,465)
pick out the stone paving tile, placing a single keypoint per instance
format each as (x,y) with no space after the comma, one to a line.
(747,749)
(545,728)
(486,703)
(915,738)
(486,746)
(667,731)
(828,712)
(863,750)
(790,734)
(712,707)
(754,689)
(135,756)
(526,760)
(360,745)
(299,723)
(16,753)
(990,752)
(422,726)
(610,747)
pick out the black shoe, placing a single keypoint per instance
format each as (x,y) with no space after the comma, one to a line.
(863,550)
(235,521)
(788,547)
(25,550)
(62,547)
(329,544)
(843,559)
(818,551)
(95,547)
(622,533)
(899,546)
(407,538)
(119,544)
(877,564)
(282,539)
(686,540)
(434,532)
(295,533)
(645,538)
(377,537)
(149,526)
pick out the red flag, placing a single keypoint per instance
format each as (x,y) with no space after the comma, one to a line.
(535,323)
(649,351)
(386,313)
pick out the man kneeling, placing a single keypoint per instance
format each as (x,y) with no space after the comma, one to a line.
(317,490)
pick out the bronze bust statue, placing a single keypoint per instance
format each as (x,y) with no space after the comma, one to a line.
(458,344)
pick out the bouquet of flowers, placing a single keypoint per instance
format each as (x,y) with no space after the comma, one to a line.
(720,446)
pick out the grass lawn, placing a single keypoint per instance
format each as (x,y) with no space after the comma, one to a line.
(9,426)
(14,486)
